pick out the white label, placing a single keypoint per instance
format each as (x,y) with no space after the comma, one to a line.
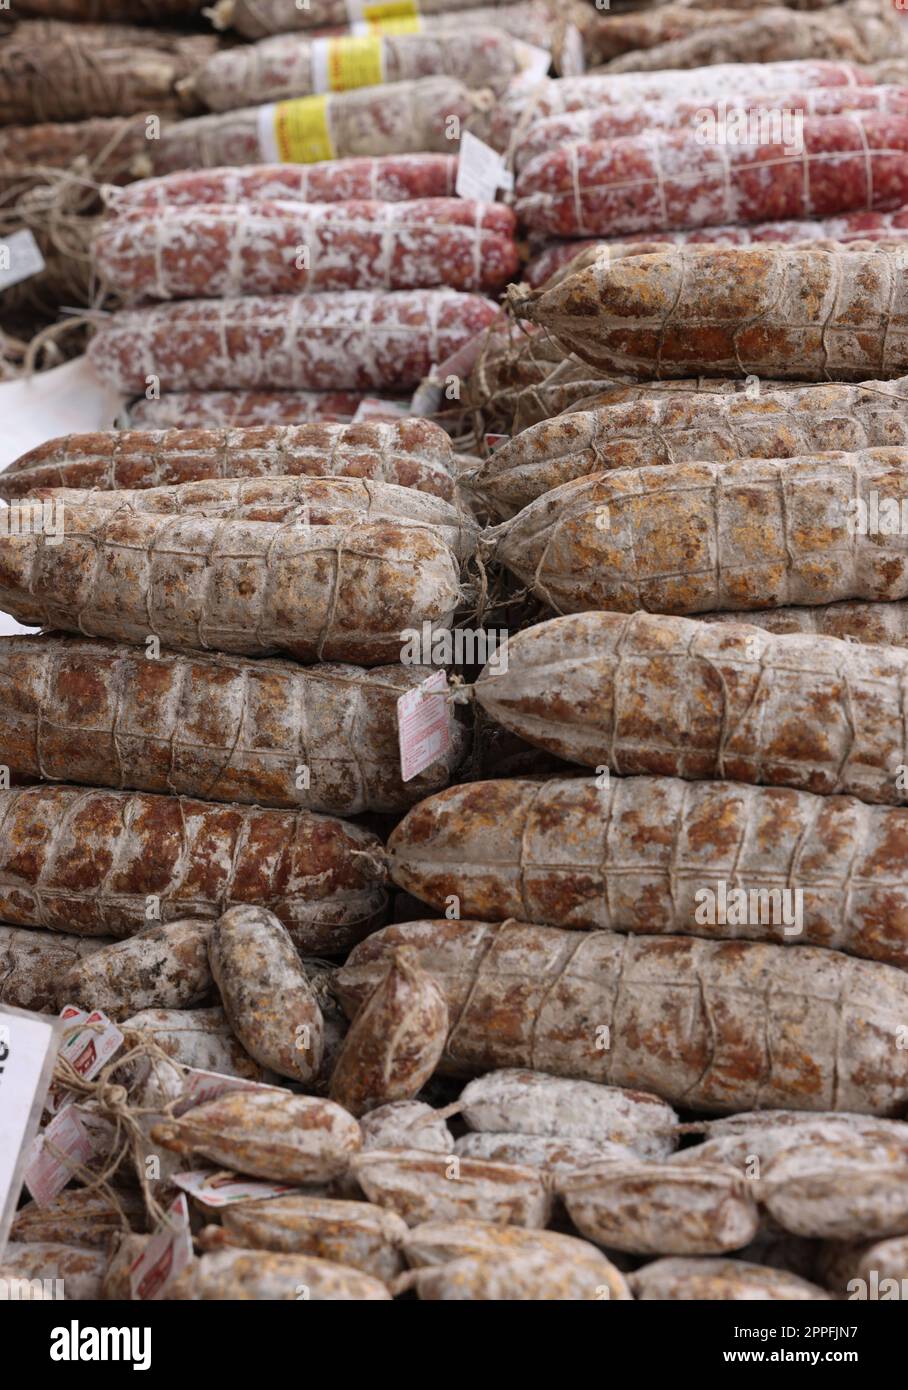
(28,1051)
(223,1189)
(372,408)
(20,258)
(480,170)
(318,58)
(424,725)
(268,147)
(203,1086)
(165,1256)
(572,59)
(536,63)
(48,1171)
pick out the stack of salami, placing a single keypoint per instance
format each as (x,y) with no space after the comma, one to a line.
(612,1004)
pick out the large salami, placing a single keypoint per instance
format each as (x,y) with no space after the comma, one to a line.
(285,248)
(385,178)
(613,122)
(290,65)
(522,106)
(403,118)
(662,180)
(346,340)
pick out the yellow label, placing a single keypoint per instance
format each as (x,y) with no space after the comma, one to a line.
(301,130)
(384,12)
(355,62)
(402,24)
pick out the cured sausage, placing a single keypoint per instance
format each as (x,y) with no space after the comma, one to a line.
(284,248)
(342,340)
(94,863)
(713,1025)
(412,453)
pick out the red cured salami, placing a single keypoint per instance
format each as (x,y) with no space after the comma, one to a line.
(614,122)
(197,409)
(552,97)
(385,178)
(660,180)
(851,226)
(283,248)
(353,340)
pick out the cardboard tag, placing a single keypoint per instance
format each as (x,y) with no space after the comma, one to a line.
(20,258)
(28,1052)
(48,1171)
(165,1256)
(481,170)
(223,1189)
(424,725)
(203,1086)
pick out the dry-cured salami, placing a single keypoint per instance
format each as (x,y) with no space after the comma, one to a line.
(318,738)
(106,863)
(614,122)
(646,693)
(187,410)
(425,116)
(714,1025)
(642,426)
(338,341)
(252,588)
(651,854)
(290,65)
(384,178)
(690,537)
(660,180)
(264,248)
(776,311)
(412,453)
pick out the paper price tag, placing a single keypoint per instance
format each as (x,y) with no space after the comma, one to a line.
(48,1171)
(28,1051)
(91,1045)
(481,170)
(203,1086)
(424,725)
(165,1256)
(223,1189)
(20,258)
